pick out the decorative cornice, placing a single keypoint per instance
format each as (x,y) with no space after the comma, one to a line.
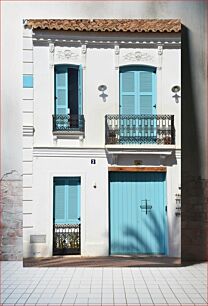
(78,39)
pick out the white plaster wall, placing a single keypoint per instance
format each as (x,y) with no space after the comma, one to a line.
(94,203)
(171,76)
(173,184)
(43,98)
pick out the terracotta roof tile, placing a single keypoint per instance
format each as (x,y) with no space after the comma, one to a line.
(107,25)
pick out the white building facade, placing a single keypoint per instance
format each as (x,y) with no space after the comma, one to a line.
(101,137)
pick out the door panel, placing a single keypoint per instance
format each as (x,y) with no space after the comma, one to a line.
(74,201)
(66,235)
(137,213)
(60,201)
(67,200)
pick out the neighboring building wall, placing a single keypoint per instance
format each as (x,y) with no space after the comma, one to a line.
(194,96)
(11,217)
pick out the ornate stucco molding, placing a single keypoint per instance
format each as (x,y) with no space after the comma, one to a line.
(66,54)
(51,55)
(117,52)
(138,56)
(160,54)
(83,54)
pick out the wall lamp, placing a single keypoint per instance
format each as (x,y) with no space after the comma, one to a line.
(175,89)
(103,95)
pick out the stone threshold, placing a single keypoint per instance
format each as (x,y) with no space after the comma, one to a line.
(102,261)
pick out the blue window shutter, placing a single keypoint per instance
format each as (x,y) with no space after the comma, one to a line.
(147,92)
(137,90)
(73,207)
(60,198)
(80,86)
(127,92)
(67,200)
(61,90)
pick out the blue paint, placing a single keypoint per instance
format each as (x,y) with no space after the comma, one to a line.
(27,81)
(80,88)
(63,77)
(61,90)
(138,97)
(132,230)
(137,90)
(67,200)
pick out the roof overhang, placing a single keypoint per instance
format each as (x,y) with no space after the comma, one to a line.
(107,25)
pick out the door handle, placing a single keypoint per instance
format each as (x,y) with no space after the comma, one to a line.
(79,218)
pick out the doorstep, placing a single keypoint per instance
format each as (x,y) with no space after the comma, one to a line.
(102,261)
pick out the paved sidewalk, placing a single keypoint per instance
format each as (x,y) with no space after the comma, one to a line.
(103,286)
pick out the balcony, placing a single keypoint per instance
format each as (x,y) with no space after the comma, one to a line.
(68,124)
(139,129)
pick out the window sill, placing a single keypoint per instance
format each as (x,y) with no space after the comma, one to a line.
(68,134)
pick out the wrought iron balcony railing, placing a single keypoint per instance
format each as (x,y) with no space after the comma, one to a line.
(139,129)
(68,123)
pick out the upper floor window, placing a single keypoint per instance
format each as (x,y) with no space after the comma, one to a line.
(68,98)
(68,91)
(137,90)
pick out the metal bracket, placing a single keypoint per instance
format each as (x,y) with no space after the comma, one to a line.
(145,206)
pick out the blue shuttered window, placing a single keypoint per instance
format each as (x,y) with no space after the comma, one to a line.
(67,200)
(137,90)
(68,90)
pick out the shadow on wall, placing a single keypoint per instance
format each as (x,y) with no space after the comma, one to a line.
(151,241)
(194,201)
(144,159)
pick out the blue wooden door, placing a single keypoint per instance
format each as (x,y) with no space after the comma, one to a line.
(137,213)
(137,97)
(67,200)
